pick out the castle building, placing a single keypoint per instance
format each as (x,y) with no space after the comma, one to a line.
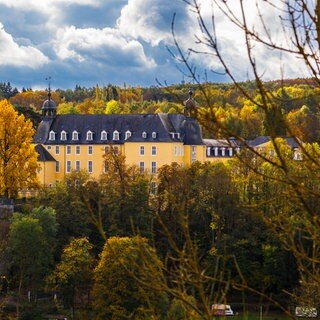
(75,142)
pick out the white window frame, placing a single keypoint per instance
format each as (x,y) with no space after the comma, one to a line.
(144,135)
(153,167)
(52,135)
(63,135)
(104,135)
(68,166)
(89,136)
(68,149)
(57,149)
(90,166)
(78,150)
(193,153)
(153,150)
(57,166)
(141,151)
(127,134)
(141,167)
(77,165)
(153,187)
(115,150)
(154,135)
(75,135)
(116,135)
(90,149)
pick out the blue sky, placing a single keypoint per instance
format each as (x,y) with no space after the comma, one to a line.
(89,42)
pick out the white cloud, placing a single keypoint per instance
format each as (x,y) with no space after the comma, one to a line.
(106,46)
(11,54)
(231,40)
(146,19)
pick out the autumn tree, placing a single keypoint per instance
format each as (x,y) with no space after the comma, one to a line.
(293,33)
(72,275)
(126,281)
(18,158)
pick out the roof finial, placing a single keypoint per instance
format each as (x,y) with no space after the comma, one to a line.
(49,87)
(190,105)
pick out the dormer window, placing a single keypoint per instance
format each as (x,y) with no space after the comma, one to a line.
(128,134)
(75,135)
(115,135)
(52,135)
(104,135)
(89,135)
(154,135)
(63,136)
(144,135)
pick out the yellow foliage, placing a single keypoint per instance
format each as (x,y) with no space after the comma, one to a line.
(18,158)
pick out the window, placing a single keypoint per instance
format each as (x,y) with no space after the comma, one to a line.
(89,135)
(141,166)
(77,149)
(141,152)
(68,150)
(153,187)
(57,150)
(90,165)
(105,167)
(153,167)
(63,136)
(68,166)
(89,149)
(153,150)
(144,134)
(106,149)
(104,135)
(115,135)
(193,153)
(75,135)
(128,135)
(52,135)
(154,135)
(178,150)
(49,147)
(77,165)
(57,166)
(115,150)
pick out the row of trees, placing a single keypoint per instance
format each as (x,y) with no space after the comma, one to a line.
(210,232)
(295,106)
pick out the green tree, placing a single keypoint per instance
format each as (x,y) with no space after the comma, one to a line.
(18,158)
(72,275)
(293,214)
(31,249)
(134,272)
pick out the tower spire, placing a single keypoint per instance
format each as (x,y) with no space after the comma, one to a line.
(49,108)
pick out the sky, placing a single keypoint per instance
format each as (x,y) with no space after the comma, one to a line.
(90,42)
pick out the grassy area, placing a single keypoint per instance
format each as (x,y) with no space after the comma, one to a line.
(257,316)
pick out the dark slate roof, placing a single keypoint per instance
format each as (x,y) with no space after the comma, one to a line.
(231,142)
(43,154)
(162,124)
(292,142)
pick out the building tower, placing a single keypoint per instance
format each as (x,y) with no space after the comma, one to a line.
(49,107)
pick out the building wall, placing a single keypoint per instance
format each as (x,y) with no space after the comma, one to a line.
(150,155)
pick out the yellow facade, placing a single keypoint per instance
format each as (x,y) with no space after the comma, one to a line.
(147,156)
